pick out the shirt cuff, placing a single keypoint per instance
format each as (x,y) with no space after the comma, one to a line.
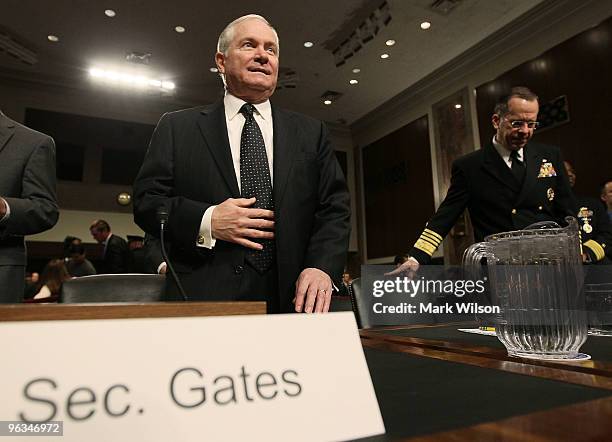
(161,267)
(8,211)
(205,238)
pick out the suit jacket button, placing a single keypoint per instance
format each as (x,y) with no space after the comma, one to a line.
(514,211)
(238,269)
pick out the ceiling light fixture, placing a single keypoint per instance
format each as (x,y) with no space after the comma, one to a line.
(168,85)
(110,13)
(179,29)
(327,102)
(353,81)
(457,106)
(390,42)
(383,56)
(356,70)
(308,44)
(130,80)
(53,38)
(425,25)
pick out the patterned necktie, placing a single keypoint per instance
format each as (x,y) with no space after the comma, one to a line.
(255,182)
(518,167)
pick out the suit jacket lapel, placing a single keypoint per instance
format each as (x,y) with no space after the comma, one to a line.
(7,129)
(285,146)
(214,130)
(532,167)
(494,165)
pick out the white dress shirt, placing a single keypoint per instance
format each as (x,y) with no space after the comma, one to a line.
(235,122)
(505,153)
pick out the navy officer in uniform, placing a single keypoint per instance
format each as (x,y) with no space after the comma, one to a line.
(596,231)
(509,184)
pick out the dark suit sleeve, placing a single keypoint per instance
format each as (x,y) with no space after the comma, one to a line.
(445,217)
(154,187)
(117,256)
(329,239)
(36,209)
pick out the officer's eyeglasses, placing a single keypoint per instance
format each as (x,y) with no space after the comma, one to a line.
(517,124)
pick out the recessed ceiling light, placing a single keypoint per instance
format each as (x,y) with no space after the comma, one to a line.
(214,70)
(168,85)
(384,55)
(353,81)
(425,25)
(110,13)
(457,106)
(390,42)
(327,102)
(308,44)
(179,29)
(53,38)
(356,70)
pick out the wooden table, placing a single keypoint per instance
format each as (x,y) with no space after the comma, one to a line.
(574,419)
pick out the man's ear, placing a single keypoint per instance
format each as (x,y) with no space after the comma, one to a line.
(495,120)
(220,62)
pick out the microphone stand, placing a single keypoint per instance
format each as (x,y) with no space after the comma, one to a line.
(163,216)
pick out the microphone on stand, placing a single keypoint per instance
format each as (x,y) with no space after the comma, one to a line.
(162,219)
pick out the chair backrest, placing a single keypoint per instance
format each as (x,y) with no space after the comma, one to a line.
(362,302)
(360,306)
(128,287)
(340,304)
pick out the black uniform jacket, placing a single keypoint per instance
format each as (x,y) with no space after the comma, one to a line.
(497,202)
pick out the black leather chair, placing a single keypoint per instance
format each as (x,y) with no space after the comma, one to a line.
(366,318)
(128,287)
(360,306)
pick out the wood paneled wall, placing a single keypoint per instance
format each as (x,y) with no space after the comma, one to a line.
(398,189)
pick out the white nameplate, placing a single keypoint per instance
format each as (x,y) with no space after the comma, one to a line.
(281,377)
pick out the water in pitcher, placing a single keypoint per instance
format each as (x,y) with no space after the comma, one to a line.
(536,280)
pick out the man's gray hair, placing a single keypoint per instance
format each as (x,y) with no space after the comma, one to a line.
(501,106)
(227,35)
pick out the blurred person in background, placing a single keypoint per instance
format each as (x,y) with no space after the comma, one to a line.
(594,224)
(31,285)
(76,263)
(606,197)
(116,258)
(52,278)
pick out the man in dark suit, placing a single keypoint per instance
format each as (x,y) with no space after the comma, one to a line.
(116,258)
(27,199)
(258,206)
(507,185)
